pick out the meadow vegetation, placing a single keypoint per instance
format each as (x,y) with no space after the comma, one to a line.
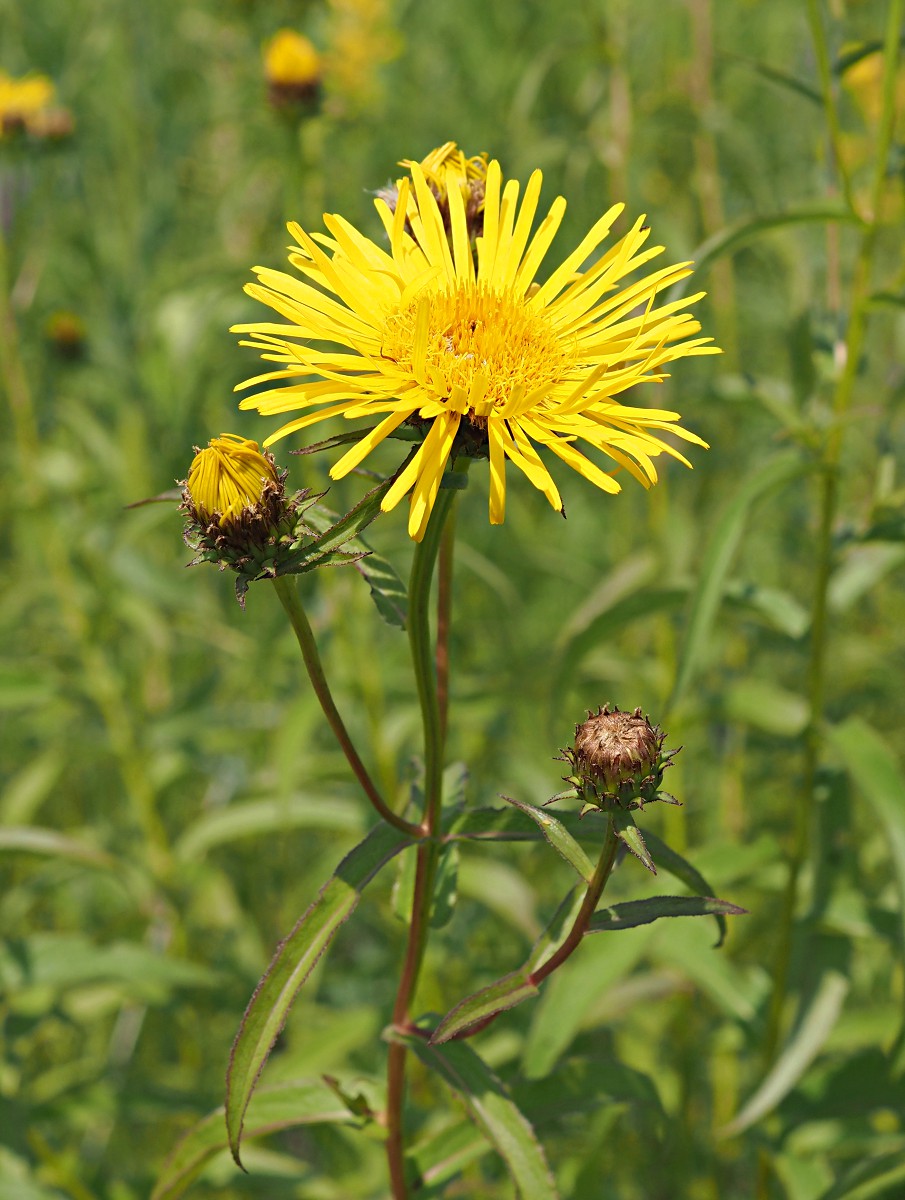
(172,798)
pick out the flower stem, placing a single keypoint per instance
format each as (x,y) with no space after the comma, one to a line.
(444,612)
(287,590)
(428,687)
(589,904)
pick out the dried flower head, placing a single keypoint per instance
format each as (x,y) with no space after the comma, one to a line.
(617,759)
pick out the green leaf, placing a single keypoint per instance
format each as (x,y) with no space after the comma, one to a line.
(583,1085)
(258,817)
(872,1177)
(482,1006)
(778,608)
(642,912)
(718,557)
(285,1106)
(65,960)
(803,1047)
(861,570)
(733,237)
(680,868)
(292,964)
(491,1108)
(57,845)
(556,834)
(502,889)
(573,991)
(790,82)
(876,773)
(683,945)
(437,1159)
(765,705)
(388,592)
(485,1004)
(491,825)
(443,904)
(630,836)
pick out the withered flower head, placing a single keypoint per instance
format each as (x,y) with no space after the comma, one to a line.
(618,759)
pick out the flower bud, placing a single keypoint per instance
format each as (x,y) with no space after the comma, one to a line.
(240,517)
(618,759)
(230,479)
(446,168)
(292,68)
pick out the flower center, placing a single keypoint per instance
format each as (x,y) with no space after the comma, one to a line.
(472,346)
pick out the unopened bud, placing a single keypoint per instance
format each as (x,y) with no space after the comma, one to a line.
(618,758)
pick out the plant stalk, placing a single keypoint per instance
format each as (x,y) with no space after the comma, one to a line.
(427,682)
(828,504)
(589,904)
(287,590)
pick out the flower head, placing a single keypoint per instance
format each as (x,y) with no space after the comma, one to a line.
(444,169)
(292,67)
(230,479)
(618,759)
(239,516)
(459,342)
(29,104)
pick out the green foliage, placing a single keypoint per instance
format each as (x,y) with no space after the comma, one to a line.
(170,800)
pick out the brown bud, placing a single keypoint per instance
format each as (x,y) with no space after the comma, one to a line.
(617,758)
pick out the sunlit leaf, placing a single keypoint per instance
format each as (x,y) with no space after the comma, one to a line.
(718,558)
(490,1106)
(284,1106)
(804,1045)
(556,834)
(293,962)
(642,912)
(877,774)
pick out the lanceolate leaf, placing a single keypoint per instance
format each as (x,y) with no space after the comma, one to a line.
(491,1108)
(733,237)
(515,987)
(293,962)
(878,776)
(388,591)
(306,1102)
(559,838)
(642,912)
(803,1047)
(681,869)
(718,559)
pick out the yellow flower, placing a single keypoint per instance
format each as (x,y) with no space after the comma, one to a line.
(27,103)
(464,345)
(448,168)
(291,61)
(229,477)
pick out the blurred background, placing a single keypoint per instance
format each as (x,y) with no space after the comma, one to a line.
(171,797)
